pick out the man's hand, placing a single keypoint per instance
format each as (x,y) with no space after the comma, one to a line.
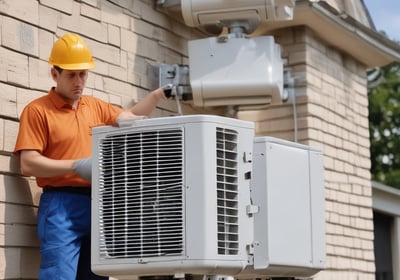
(83,167)
(167,89)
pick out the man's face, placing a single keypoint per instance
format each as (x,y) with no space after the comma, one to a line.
(70,83)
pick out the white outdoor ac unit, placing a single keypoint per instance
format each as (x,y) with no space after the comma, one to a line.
(217,13)
(171,197)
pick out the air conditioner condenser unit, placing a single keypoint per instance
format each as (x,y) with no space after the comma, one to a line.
(170,196)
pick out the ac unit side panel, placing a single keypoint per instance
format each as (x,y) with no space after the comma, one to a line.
(259,197)
(201,219)
(318,209)
(222,190)
(288,203)
(287,185)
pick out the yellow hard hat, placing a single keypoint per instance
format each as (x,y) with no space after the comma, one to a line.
(70,52)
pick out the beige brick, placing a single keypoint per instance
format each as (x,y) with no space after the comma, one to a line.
(46,40)
(8,100)
(89,28)
(114,35)
(182,31)
(24,96)
(5,163)
(115,99)
(117,87)
(298,57)
(27,10)
(117,72)
(20,36)
(146,29)
(93,3)
(9,263)
(136,69)
(149,14)
(14,67)
(11,213)
(39,75)
(65,6)
(127,5)
(175,43)
(168,56)
(105,54)
(19,190)
(101,95)
(100,68)
(129,41)
(15,235)
(30,262)
(114,15)
(97,82)
(1,134)
(48,18)
(11,129)
(90,11)
(19,263)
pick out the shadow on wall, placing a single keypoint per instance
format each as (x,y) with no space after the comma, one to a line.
(20,198)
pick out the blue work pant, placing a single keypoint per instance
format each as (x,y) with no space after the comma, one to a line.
(64,232)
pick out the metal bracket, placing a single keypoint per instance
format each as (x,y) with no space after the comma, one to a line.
(175,74)
(168,3)
(252,209)
(288,84)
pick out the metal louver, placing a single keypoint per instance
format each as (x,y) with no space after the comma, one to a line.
(227,192)
(141,194)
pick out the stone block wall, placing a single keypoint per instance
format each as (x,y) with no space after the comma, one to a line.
(124,36)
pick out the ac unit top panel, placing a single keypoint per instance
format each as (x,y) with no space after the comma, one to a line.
(274,140)
(175,120)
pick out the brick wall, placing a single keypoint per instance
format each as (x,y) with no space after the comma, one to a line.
(125,36)
(332,114)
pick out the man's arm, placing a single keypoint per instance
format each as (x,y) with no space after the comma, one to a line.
(35,164)
(146,106)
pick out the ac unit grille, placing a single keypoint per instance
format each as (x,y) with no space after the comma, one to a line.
(227,192)
(141,194)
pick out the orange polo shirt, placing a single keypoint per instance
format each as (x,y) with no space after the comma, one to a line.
(54,129)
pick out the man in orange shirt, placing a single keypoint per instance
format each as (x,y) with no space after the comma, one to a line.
(54,145)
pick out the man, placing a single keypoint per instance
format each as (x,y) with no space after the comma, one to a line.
(54,145)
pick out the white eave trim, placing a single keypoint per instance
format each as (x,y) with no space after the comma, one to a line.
(385,199)
(341,31)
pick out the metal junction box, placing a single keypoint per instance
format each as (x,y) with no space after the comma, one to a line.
(289,229)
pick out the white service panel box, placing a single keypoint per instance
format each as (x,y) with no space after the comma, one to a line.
(289,229)
(238,71)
